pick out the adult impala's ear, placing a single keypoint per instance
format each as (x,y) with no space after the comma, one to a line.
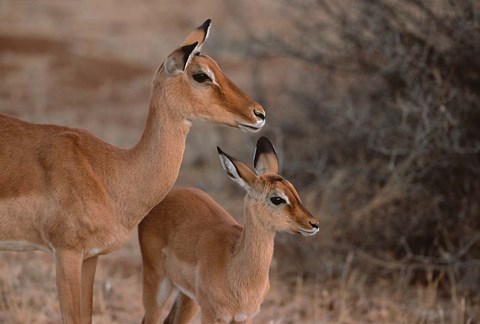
(236,170)
(179,59)
(265,158)
(198,35)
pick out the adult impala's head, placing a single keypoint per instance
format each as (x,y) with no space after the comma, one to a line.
(194,85)
(276,201)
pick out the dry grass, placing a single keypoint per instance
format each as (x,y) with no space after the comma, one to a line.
(89,65)
(27,285)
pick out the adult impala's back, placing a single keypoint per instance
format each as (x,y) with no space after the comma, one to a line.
(191,244)
(65,191)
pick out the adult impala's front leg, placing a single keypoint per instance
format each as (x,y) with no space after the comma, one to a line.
(68,266)
(88,276)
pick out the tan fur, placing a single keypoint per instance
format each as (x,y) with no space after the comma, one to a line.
(212,261)
(64,190)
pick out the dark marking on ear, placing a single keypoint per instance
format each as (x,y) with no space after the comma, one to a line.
(187,50)
(219,150)
(205,26)
(263,146)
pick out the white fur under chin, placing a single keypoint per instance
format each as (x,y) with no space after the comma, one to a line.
(248,129)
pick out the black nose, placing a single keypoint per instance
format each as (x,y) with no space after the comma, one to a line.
(259,114)
(314,225)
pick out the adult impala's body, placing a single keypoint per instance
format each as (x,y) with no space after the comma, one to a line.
(191,244)
(63,190)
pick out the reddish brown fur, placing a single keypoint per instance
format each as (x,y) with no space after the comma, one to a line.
(66,191)
(190,242)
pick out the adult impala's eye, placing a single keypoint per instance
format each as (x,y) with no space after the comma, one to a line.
(277,200)
(201,77)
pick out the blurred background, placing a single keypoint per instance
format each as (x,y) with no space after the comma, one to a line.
(373,106)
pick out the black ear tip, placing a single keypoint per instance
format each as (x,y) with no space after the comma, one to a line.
(263,146)
(205,25)
(219,150)
(264,142)
(263,139)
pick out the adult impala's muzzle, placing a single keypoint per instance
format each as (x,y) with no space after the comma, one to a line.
(314,228)
(260,118)
(260,115)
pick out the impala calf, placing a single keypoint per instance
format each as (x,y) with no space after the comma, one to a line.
(65,191)
(192,246)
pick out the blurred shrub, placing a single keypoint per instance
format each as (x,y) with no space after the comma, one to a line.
(379,117)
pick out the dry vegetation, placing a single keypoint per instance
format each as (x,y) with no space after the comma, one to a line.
(373,106)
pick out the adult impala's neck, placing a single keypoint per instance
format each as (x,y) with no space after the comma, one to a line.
(152,166)
(253,251)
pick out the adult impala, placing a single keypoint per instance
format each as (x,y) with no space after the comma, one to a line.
(65,191)
(192,245)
